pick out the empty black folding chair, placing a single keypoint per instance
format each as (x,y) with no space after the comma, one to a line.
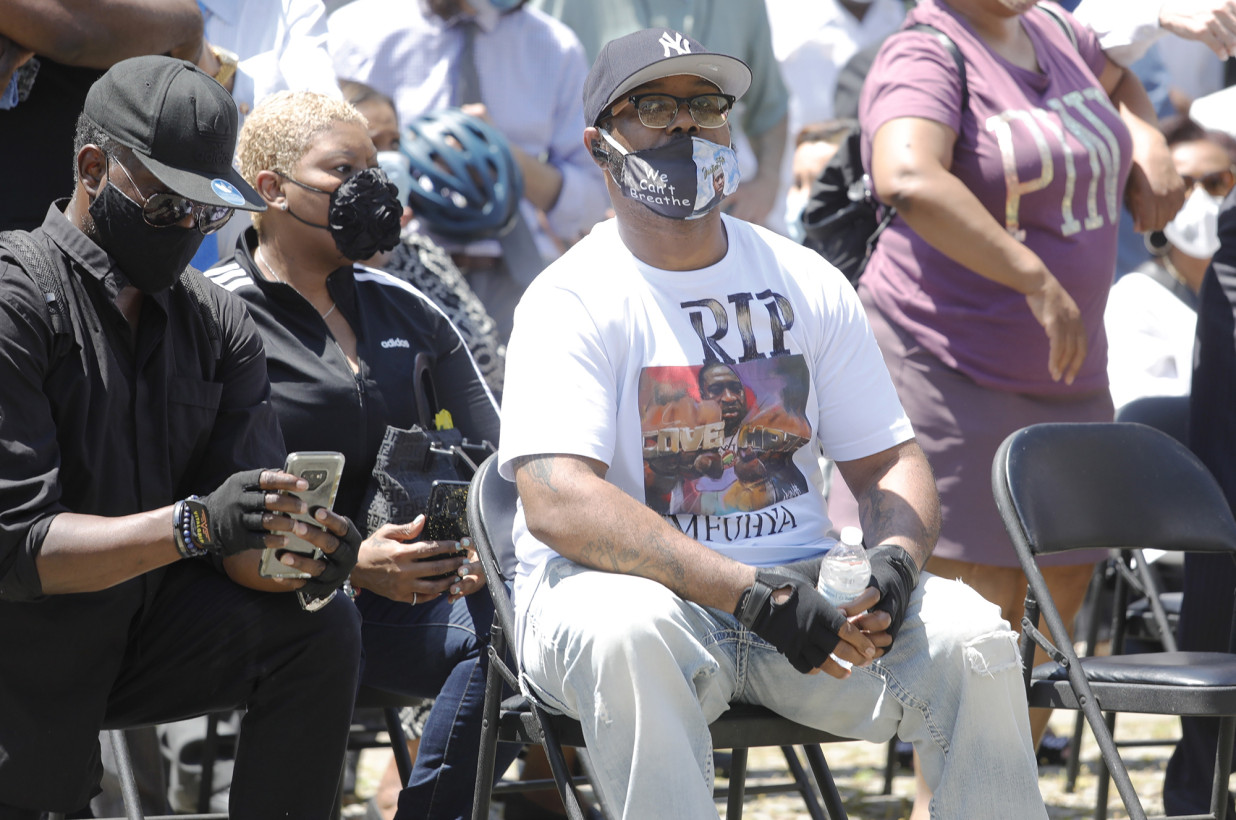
(1063,487)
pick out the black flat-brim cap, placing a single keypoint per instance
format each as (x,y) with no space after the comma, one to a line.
(650,54)
(180,123)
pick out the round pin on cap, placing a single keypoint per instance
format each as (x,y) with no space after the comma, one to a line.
(227,192)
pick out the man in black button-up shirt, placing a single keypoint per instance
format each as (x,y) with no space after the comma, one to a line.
(162,394)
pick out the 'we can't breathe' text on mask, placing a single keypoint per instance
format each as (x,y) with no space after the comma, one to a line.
(683,179)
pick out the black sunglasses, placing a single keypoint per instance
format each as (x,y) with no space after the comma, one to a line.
(162,210)
(659,110)
(1217,183)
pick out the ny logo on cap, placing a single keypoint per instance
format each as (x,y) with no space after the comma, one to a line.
(677,43)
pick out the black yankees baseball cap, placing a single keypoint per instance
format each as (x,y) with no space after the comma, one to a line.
(651,54)
(179,122)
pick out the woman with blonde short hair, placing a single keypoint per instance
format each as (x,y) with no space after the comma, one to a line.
(342,343)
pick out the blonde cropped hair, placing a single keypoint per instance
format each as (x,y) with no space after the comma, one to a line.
(281,128)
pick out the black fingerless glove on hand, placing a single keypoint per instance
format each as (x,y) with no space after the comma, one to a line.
(804,627)
(895,574)
(229,520)
(339,565)
(808,569)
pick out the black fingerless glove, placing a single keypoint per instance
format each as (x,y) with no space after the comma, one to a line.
(808,569)
(227,521)
(804,627)
(339,565)
(895,574)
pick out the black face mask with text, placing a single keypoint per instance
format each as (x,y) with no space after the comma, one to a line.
(151,258)
(363,215)
(682,179)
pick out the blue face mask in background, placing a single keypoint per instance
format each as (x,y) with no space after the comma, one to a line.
(19,84)
(398,170)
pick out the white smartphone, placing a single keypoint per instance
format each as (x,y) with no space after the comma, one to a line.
(322,469)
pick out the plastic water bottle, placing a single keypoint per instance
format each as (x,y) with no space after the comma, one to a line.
(845,570)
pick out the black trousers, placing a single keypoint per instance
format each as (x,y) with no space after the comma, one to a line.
(1209,582)
(201,643)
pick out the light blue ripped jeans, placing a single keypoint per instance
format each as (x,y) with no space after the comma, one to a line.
(646,672)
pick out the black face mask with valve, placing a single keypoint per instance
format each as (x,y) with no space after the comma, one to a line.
(363,216)
(151,258)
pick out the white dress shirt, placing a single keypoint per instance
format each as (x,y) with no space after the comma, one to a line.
(531,70)
(281,45)
(1126,28)
(813,41)
(1149,338)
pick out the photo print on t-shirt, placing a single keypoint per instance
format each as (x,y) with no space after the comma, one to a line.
(720,438)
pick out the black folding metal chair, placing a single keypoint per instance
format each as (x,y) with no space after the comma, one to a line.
(128,788)
(517,719)
(1062,487)
(1141,611)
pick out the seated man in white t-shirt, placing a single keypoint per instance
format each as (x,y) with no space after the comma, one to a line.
(671,516)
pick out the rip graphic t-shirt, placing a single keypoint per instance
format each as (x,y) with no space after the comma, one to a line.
(1047,155)
(710,394)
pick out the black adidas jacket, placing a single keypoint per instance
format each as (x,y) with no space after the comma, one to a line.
(320,402)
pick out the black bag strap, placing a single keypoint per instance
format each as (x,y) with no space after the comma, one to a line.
(469,453)
(33,259)
(954,52)
(423,390)
(1060,21)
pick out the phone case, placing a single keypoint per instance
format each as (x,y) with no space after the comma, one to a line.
(446,516)
(322,469)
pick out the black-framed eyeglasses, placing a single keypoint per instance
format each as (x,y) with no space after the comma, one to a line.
(162,210)
(1217,183)
(659,110)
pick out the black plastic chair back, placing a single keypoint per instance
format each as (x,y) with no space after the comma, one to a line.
(1116,486)
(1167,413)
(1086,486)
(491,516)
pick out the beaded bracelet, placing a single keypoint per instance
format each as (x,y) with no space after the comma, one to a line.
(185,545)
(348,589)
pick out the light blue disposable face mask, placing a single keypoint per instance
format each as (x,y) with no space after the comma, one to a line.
(398,170)
(795,204)
(8,98)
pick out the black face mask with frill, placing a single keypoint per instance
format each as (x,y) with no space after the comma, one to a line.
(363,215)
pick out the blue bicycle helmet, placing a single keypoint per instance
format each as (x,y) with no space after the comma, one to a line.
(466,184)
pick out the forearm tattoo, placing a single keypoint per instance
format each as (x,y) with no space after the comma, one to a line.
(885,513)
(538,469)
(876,513)
(657,560)
(598,530)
